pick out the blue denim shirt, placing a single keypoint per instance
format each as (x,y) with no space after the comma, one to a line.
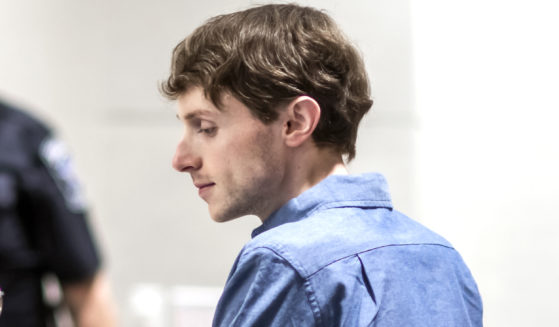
(339,255)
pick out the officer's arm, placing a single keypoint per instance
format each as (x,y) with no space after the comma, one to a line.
(67,244)
(90,302)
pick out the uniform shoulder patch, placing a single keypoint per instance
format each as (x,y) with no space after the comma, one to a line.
(57,159)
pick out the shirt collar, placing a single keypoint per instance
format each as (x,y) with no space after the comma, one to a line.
(364,190)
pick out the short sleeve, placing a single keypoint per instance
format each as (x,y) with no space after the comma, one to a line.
(56,215)
(264,290)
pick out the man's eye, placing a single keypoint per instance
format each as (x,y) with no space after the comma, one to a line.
(209,131)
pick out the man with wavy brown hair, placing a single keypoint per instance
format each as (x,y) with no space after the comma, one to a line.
(271,99)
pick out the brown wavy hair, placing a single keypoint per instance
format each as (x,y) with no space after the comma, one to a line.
(268,55)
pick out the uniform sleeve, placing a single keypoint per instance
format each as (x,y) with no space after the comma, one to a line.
(57,215)
(264,290)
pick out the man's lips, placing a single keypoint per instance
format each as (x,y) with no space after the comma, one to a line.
(203,185)
(203,188)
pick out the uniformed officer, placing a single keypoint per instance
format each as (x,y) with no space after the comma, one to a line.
(43,228)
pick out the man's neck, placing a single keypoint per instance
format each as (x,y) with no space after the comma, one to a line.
(321,171)
(305,171)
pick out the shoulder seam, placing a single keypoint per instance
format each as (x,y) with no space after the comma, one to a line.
(313,302)
(310,295)
(379,247)
(286,257)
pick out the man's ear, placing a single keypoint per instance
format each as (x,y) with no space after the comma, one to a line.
(302,116)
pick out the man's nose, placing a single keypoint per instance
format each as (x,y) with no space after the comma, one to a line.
(185,160)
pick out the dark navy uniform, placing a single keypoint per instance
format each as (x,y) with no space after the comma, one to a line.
(43,225)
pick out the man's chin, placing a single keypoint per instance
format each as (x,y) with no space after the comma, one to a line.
(221,217)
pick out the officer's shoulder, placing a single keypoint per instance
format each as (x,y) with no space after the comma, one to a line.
(22,123)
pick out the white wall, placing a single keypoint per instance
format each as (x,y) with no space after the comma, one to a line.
(486,77)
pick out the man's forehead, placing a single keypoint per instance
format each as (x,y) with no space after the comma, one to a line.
(194,104)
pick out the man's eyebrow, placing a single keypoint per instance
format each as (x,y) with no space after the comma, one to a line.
(195,114)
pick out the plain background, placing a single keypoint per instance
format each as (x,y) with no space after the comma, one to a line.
(464,126)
